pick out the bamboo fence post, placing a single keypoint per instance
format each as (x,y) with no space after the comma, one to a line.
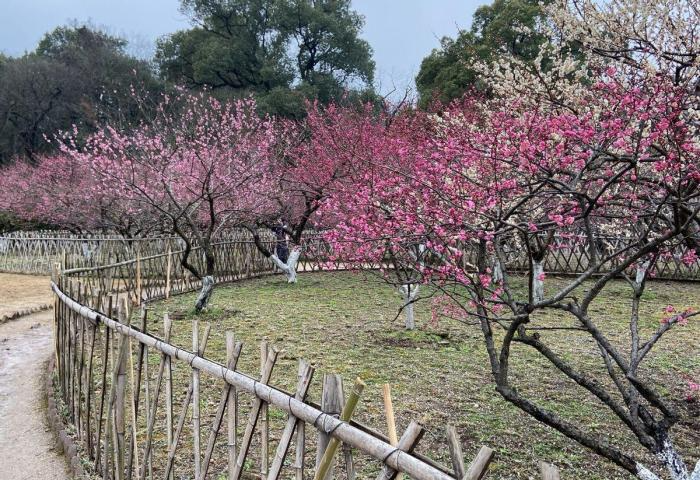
(133,463)
(103,392)
(219,417)
(71,357)
(254,415)
(349,462)
(549,471)
(480,464)
(154,405)
(264,419)
(195,403)
(332,399)
(147,384)
(56,314)
(81,362)
(183,412)
(120,408)
(345,416)
(300,451)
(68,319)
(65,325)
(232,430)
(390,418)
(169,400)
(406,443)
(110,428)
(389,411)
(90,384)
(306,373)
(456,452)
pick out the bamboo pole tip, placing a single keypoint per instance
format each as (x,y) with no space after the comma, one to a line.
(359,385)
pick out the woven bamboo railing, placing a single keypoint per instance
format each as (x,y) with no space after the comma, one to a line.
(116,381)
(124,416)
(25,253)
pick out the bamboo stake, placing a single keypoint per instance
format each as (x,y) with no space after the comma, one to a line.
(349,463)
(300,450)
(120,420)
(345,416)
(306,373)
(254,415)
(390,418)
(56,315)
(81,371)
(72,357)
(103,392)
(183,412)
(332,402)
(455,451)
(389,411)
(147,379)
(480,464)
(195,403)
(232,408)
(133,463)
(264,420)
(110,429)
(218,418)
(90,382)
(407,443)
(169,402)
(154,405)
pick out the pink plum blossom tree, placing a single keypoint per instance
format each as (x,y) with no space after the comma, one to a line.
(200,167)
(304,176)
(58,190)
(509,177)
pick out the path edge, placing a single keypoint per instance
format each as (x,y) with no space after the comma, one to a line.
(24,312)
(64,441)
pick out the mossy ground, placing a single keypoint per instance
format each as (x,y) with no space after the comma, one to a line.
(347,323)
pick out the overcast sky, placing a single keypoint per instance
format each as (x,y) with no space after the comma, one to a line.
(401,32)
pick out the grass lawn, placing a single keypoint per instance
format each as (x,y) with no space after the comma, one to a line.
(346,323)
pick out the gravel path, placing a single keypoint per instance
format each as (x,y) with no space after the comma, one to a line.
(27,444)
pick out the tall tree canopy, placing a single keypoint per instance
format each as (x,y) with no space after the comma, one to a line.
(284,51)
(504,27)
(76,76)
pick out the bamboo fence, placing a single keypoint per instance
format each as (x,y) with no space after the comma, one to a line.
(30,252)
(142,407)
(125,420)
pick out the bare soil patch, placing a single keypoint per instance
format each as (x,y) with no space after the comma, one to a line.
(20,292)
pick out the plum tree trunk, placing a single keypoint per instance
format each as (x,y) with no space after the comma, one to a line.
(409,293)
(537,281)
(289,268)
(673,462)
(497,272)
(641,273)
(205,293)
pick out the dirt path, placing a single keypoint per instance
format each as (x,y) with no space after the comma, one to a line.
(27,445)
